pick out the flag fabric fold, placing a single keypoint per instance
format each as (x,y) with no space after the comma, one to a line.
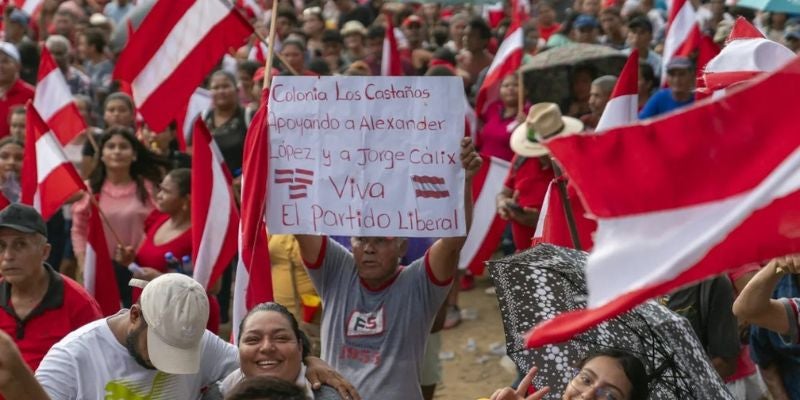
(487,227)
(53,101)
(214,231)
(199,101)
(506,61)
(173,49)
(682,33)
(390,58)
(99,278)
(253,271)
(48,178)
(623,106)
(677,200)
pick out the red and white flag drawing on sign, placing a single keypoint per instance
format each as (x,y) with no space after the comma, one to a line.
(506,61)
(98,270)
(623,106)
(173,49)
(681,35)
(487,227)
(29,6)
(199,102)
(253,272)
(390,58)
(694,209)
(214,229)
(48,178)
(429,187)
(54,103)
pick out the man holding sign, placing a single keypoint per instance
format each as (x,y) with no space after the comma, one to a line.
(377,314)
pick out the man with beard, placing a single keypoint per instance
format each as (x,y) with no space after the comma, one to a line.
(158,349)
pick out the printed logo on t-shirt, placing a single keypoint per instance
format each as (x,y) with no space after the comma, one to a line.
(365,324)
(160,388)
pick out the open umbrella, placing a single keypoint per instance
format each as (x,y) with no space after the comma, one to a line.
(548,75)
(546,280)
(779,6)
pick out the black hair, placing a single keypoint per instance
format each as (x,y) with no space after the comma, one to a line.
(478,24)
(147,166)
(289,14)
(439,70)
(11,140)
(124,97)
(376,32)
(265,388)
(632,366)
(94,38)
(443,53)
(221,72)
(319,67)
(296,43)
(248,66)
(183,179)
(271,306)
(647,73)
(332,35)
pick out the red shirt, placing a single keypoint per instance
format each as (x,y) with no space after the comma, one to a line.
(529,176)
(152,255)
(556,230)
(18,94)
(493,139)
(66,306)
(546,31)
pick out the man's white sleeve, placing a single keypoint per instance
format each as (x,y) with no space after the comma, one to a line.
(57,374)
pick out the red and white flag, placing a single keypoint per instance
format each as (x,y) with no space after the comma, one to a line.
(390,58)
(681,35)
(174,48)
(54,102)
(253,272)
(258,52)
(506,61)
(48,178)
(98,270)
(29,6)
(623,106)
(677,201)
(199,102)
(214,231)
(487,227)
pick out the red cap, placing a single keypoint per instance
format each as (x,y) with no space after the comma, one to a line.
(412,19)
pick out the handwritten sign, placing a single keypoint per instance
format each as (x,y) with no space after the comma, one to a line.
(366,156)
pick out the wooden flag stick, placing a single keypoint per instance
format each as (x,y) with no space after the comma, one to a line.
(270,43)
(520,94)
(280,57)
(105,219)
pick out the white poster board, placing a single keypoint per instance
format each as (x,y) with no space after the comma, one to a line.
(366,156)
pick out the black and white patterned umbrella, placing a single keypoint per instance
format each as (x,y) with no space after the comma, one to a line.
(537,284)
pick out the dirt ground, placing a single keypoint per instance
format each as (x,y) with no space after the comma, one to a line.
(471,375)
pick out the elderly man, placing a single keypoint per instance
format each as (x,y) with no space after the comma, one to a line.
(61,50)
(377,315)
(13,91)
(38,306)
(598,98)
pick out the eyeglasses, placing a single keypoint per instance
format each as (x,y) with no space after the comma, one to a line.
(584,382)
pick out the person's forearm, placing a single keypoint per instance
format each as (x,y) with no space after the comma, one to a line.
(774,383)
(756,296)
(24,386)
(724,368)
(459,241)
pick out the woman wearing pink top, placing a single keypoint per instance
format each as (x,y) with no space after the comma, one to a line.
(123,182)
(499,120)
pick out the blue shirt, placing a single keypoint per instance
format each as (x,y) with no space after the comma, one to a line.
(662,102)
(768,348)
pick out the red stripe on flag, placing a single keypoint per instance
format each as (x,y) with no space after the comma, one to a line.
(306,181)
(304,171)
(427,179)
(102,276)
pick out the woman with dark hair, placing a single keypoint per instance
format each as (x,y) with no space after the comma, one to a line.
(226,120)
(272,344)
(122,182)
(607,374)
(293,52)
(266,388)
(11,154)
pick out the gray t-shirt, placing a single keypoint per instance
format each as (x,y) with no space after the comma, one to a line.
(376,338)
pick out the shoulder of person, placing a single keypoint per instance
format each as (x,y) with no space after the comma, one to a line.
(327,393)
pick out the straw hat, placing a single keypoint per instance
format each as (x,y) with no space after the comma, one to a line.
(543,122)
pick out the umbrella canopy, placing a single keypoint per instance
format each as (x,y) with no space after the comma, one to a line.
(779,6)
(548,75)
(546,280)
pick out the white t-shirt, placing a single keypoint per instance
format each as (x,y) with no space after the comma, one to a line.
(90,364)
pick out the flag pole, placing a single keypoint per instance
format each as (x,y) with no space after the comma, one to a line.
(280,57)
(562,192)
(520,94)
(105,219)
(270,54)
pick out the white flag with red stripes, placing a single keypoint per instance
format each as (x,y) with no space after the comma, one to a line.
(53,100)
(198,102)
(680,38)
(29,6)
(677,200)
(48,178)
(253,272)
(623,106)
(506,61)
(390,58)
(99,278)
(215,219)
(487,227)
(174,48)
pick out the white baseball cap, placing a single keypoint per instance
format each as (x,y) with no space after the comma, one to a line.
(175,308)
(10,50)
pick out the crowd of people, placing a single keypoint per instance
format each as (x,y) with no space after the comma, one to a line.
(384,300)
